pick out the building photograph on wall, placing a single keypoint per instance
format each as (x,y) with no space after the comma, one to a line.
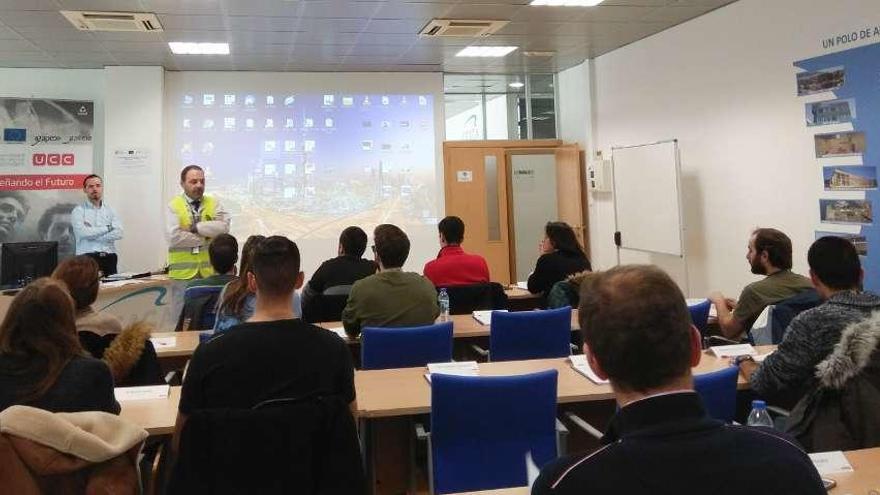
(831,112)
(846,211)
(858,240)
(819,81)
(840,144)
(848,178)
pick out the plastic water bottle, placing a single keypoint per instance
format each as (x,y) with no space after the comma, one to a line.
(443,302)
(759,415)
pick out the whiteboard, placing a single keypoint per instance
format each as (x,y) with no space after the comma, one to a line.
(647,197)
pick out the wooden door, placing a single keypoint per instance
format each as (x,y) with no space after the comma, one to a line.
(571,191)
(470,195)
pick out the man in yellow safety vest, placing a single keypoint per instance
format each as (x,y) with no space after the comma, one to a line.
(192,220)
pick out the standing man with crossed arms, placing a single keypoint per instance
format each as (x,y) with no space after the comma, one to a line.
(192,220)
(96,227)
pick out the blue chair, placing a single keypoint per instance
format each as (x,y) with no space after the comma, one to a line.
(700,315)
(530,334)
(199,308)
(483,427)
(718,391)
(383,348)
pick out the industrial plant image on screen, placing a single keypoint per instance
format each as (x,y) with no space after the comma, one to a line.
(308,165)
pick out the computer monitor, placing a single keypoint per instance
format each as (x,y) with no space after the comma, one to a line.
(22,262)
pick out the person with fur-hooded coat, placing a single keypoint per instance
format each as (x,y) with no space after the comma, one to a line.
(841,413)
(127,351)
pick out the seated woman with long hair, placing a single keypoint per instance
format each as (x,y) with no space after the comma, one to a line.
(128,351)
(42,363)
(561,256)
(237,302)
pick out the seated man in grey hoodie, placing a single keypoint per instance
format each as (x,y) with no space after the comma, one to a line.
(837,274)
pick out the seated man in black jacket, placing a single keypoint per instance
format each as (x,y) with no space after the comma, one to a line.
(638,335)
(342,271)
(272,356)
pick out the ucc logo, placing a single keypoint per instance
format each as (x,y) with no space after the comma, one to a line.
(52,159)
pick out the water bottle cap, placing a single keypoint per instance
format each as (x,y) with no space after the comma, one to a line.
(759,404)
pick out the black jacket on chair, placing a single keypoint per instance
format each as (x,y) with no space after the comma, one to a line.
(302,446)
(465,299)
(841,413)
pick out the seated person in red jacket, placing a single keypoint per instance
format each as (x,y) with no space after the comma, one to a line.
(453,266)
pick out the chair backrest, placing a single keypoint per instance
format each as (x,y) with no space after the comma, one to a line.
(199,308)
(718,391)
(482,428)
(327,306)
(530,334)
(785,311)
(700,315)
(307,446)
(384,348)
(465,299)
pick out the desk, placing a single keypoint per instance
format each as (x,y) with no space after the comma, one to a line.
(519,299)
(463,326)
(865,476)
(157,416)
(386,399)
(143,299)
(405,392)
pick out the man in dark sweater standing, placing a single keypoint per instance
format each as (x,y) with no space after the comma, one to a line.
(638,335)
(789,372)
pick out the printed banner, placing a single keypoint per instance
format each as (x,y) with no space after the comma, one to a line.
(45,153)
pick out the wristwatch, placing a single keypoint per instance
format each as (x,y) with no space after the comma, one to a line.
(740,359)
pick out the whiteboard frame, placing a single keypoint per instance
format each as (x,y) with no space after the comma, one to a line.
(682,227)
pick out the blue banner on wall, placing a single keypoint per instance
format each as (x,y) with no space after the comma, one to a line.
(853,76)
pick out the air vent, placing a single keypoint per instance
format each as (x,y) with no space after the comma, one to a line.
(461,28)
(113,21)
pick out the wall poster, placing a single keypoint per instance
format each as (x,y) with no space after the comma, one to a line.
(45,153)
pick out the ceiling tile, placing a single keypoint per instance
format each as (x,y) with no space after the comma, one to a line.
(334,9)
(101,5)
(412,10)
(28,18)
(29,5)
(394,26)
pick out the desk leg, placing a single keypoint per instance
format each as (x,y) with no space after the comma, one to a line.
(387,453)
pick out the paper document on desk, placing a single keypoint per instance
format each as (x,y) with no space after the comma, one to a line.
(523,285)
(579,363)
(693,301)
(163,342)
(484,316)
(831,462)
(339,331)
(759,358)
(723,351)
(463,368)
(142,393)
(532,470)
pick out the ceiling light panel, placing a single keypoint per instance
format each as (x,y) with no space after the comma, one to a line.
(485,51)
(185,48)
(566,3)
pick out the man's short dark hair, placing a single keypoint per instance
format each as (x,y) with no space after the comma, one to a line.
(275,264)
(835,262)
(777,245)
(452,229)
(636,323)
(354,241)
(223,252)
(392,245)
(46,219)
(91,176)
(186,170)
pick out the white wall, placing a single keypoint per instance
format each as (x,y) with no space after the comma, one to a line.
(724,86)
(62,84)
(134,104)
